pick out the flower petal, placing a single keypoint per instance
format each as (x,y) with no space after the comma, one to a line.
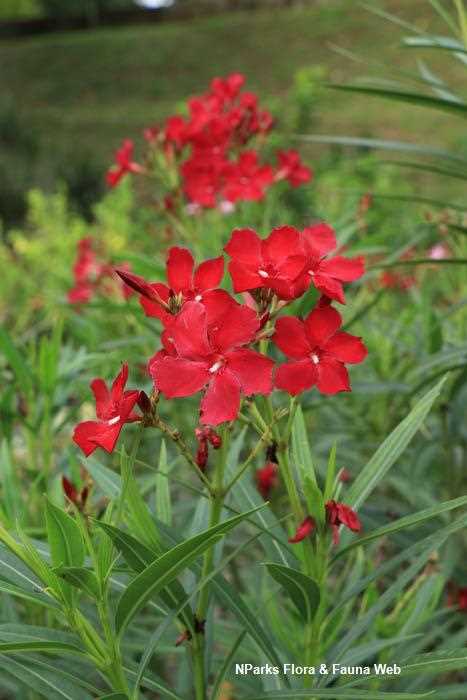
(209,274)
(303,530)
(252,369)
(188,331)
(346,348)
(290,337)
(320,237)
(281,243)
(180,265)
(244,278)
(332,377)
(321,324)
(176,377)
(244,246)
(236,327)
(217,302)
(344,269)
(221,401)
(91,434)
(102,397)
(295,377)
(329,286)
(119,383)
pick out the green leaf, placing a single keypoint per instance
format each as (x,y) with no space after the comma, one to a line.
(139,517)
(455,106)
(406,521)
(105,478)
(335,694)
(226,667)
(163,505)
(138,558)
(53,684)
(15,359)
(52,647)
(435,662)
(301,589)
(81,578)
(301,448)
(64,536)
(113,696)
(165,569)
(391,449)
(136,554)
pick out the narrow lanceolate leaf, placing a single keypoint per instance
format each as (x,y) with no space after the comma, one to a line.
(139,516)
(436,662)
(51,647)
(113,696)
(51,683)
(335,694)
(66,543)
(165,569)
(416,98)
(301,589)
(301,447)
(391,449)
(405,522)
(139,557)
(81,578)
(135,553)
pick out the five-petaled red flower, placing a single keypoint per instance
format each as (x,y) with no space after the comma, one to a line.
(327,274)
(114,408)
(198,354)
(318,351)
(292,169)
(273,263)
(123,164)
(185,283)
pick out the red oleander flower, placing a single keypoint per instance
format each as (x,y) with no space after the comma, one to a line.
(246,179)
(114,408)
(340,514)
(318,351)
(267,479)
(185,283)
(86,272)
(304,530)
(200,355)
(273,263)
(124,164)
(327,274)
(292,169)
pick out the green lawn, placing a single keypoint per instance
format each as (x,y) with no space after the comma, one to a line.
(82,92)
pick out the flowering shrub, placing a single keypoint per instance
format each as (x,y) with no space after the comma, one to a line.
(243,358)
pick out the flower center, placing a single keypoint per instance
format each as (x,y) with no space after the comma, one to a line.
(217,365)
(198,297)
(311,273)
(112,421)
(263,273)
(314,358)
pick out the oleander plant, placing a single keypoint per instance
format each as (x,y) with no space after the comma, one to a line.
(233,428)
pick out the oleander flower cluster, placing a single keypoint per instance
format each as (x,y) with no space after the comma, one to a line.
(94,277)
(210,157)
(228,349)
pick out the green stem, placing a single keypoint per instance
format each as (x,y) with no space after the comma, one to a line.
(217,502)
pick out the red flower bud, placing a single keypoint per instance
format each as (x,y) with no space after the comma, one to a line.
(70,490)
(303,530)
